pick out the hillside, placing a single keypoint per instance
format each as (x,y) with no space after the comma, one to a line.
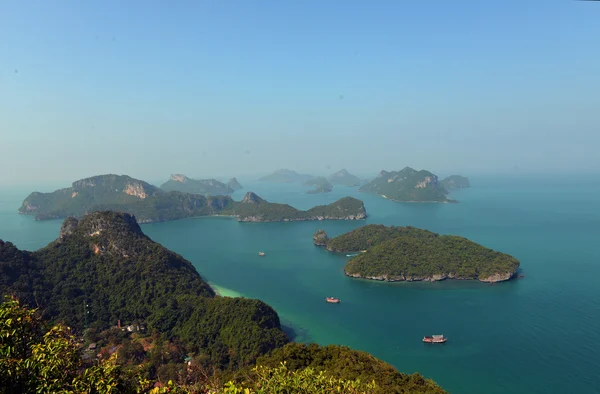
(411,254)
(456,182)
(106,262)
(286,176)
(344,178)
(181,183)
(150,204)
(407,185)
(320,184)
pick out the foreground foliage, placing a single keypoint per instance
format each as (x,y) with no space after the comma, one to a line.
(35,357)
(340,362)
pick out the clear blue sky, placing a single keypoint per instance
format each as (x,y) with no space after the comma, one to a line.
(219,88)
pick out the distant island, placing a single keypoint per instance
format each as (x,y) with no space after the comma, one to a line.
(234,184)
(321,185)
(286,176)
(410,254)
(254,209)
(456,182)
(150,204)
(407,185)
(344,178)
(181,183)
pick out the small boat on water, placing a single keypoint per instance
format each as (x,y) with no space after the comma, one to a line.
(261,253)
(333,300)
(435,339)
(352,255)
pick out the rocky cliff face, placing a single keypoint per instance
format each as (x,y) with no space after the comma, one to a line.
(320,238)
(501,277)
(252,198)
(179,178)
(135,189)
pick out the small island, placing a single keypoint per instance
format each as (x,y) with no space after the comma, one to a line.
(321,185)
(254,209)
(410,254)
(286,176)
(181,183)
(234,184)
(344,178)
(149,204)
(320,238)
(456,182)
(407,185)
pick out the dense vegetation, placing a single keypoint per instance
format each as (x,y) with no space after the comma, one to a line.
(104,269)
(408,253)
(37,357)
(321,185)
(254,208)
(181,183)
(407,185)
(344,363)
(455,182)
(344,178)
(150,204)
(286,176)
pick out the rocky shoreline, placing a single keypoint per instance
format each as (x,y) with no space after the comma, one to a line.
(498,277)
(258,219)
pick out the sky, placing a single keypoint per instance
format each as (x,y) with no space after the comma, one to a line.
(223,87)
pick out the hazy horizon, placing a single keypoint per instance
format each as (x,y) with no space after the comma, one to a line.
(218,89)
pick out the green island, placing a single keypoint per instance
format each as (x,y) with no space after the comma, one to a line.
(148,203)
(254,209)
(285,176)
(456,182)
(344,178)
(411,254)
(320,184)
(181,183)
(407,185)
(104,309)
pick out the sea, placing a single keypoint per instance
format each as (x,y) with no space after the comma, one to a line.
(536,334)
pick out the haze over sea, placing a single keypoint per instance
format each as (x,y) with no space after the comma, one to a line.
(538,334)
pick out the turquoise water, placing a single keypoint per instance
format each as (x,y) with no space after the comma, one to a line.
(539,334)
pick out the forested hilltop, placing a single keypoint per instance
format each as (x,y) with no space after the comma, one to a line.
(411,254)
(148,203)
(181,183)
(344,178)
(145,315)
(407,185)
(320,184)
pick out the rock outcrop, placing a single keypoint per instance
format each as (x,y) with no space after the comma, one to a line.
(234,184)
(320,238)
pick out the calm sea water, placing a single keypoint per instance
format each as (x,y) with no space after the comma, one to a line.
(539,334)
